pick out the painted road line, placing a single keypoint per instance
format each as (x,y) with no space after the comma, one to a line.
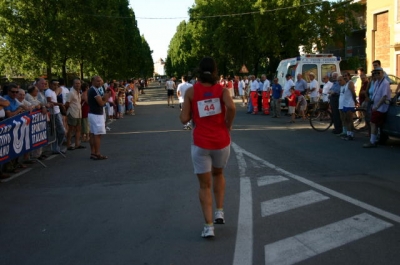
(244,237)
(319,187)
(268,180)
(291,202)
(311,243)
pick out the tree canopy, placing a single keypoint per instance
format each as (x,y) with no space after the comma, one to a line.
(257,33)
(89,37)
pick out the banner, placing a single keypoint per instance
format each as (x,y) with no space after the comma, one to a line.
(21,134)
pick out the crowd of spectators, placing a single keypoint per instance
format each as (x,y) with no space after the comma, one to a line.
(69,108)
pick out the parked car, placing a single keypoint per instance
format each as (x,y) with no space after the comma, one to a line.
(392,124)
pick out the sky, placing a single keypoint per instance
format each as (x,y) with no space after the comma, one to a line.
(159,32)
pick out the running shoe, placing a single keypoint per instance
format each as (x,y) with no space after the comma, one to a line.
(219,217)
(208,231)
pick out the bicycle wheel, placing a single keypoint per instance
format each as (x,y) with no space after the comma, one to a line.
(321,120)
(359,119)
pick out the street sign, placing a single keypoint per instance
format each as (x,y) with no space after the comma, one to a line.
(244,70)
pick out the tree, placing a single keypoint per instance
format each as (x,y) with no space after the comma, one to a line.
(257,33)
(89,37)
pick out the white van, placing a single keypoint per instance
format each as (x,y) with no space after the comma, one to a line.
(319,64)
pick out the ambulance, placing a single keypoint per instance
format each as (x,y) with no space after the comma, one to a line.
(319,64)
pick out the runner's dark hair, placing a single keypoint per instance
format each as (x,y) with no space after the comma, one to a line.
(207,71)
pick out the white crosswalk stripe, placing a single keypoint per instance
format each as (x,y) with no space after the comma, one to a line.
(291,202)
(268,180)
(303,246)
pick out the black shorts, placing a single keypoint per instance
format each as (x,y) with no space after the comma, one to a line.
(170,92)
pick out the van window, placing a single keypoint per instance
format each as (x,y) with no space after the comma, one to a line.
(328,69)
(292,71)
(307,69)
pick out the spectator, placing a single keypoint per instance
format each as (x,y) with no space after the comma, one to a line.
(276,99)
(292,104)
(349,103)
(380,105)
(286,89)
(301,84)
(326,88)
(11,110)
(51,97)
(74,115)
(334,94)
(85,113)
(96,117)
(301,105)
(314,88)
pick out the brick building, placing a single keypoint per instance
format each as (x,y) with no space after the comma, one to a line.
(383,34)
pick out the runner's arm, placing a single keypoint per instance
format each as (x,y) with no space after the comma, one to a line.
(186,113)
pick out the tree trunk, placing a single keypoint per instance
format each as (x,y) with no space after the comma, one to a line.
(49,74)
(81,69)
(64,70)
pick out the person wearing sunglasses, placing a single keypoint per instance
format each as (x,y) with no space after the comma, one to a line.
(15,106)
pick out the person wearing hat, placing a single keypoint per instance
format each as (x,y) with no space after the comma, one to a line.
(380,105)
(314,93)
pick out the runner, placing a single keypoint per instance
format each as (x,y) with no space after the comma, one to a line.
(180,91)
(170,86)
(213,111)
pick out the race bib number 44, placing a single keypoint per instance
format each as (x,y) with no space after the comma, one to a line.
(209,107)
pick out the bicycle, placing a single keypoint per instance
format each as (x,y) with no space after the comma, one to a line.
(321,118)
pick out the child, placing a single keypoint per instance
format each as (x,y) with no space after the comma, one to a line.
(292,104)
(131,110)
(121,104)
(301,105)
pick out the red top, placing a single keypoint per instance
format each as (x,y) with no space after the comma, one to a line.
(292,100)
(230,84)
(210,131)
(85,109)
(236,84)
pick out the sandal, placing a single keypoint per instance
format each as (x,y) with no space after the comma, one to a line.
(93,156)
(71,148)
(29,162)
(80,147)
(100,157)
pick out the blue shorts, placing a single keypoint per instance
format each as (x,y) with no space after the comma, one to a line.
(346,109)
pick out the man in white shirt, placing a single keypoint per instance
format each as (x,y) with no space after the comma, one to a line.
(180,91)
(241,88)
(314,90)
(60,131)
(265,94)
(254,86)
(325,90)
(170,86)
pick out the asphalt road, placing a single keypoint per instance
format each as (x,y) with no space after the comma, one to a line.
(293,196)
